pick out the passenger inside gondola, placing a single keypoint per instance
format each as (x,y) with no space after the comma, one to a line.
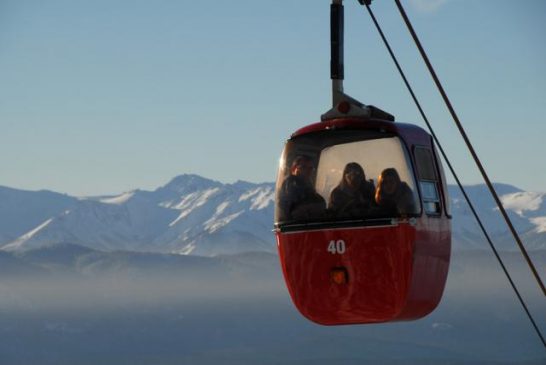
(353,196)
(393,196)
(297,198)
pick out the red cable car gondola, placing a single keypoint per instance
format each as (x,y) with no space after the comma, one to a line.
(355,249)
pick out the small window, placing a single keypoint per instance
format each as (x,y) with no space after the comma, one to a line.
(428,189)
(425,164)
(428,180)
(431,200)
(447,201)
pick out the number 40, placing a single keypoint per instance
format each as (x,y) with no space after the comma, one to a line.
(336,247)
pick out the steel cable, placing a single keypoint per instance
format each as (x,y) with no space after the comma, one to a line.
(470,147)
(444,155)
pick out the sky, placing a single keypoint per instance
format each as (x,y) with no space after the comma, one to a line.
(100,97)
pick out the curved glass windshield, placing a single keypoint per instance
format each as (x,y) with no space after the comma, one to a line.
(344,176)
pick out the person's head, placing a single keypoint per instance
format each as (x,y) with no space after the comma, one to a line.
(302,166)
(353,175)
(387,183)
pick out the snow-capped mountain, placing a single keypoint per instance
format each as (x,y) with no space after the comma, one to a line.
(527,210)
(23,211)
(198,216)
(189,215)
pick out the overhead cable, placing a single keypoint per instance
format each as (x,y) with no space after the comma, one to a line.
(470,147)
(453,172)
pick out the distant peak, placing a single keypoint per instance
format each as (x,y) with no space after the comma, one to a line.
(500,188)
(249,185)
(119,199)
(190,182)
(243,184)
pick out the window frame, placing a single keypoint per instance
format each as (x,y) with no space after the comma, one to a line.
(435,180)
(315,154)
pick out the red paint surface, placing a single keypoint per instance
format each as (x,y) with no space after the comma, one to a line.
(393,273)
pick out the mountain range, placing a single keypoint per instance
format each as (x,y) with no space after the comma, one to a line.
(166,276)
(198,216)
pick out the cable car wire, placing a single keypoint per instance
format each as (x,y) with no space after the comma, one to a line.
(470,147)
(444,155)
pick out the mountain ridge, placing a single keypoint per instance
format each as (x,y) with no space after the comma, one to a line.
(198,216)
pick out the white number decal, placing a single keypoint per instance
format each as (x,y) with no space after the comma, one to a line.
(336,247)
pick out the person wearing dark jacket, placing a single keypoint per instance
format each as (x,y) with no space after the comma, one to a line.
(353,196)
(298,200)
(393,196)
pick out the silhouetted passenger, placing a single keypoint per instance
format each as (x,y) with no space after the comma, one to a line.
(298,200)
(393,196)
(353,196)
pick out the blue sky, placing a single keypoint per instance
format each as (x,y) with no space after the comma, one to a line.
(106,96)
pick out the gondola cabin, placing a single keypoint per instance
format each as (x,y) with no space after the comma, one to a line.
(362,221)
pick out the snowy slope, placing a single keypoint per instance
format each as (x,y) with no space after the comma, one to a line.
(216,220)
(189,215)
(129,225)
(527,210)
(23,211)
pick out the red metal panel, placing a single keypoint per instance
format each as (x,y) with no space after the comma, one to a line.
(379,262)
(430,266)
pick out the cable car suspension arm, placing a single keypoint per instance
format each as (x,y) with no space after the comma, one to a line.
(342,104)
